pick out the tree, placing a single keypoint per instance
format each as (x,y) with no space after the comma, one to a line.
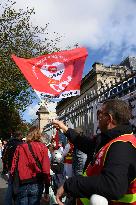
(11,121)
(19,36)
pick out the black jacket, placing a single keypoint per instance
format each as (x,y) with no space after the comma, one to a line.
(9,151)
(118,171)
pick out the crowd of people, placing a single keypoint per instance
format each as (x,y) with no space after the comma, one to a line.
(98,170)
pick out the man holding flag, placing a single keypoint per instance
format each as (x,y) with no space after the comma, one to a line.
(112,170)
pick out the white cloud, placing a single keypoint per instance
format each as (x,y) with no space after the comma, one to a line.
(51,106)
(31,111)
(107,24)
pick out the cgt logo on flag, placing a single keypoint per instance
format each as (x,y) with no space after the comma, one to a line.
(54,71)
(56,75)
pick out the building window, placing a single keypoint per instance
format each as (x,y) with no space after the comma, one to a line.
(119,88)
(125,85)
(114,90)
(130,81)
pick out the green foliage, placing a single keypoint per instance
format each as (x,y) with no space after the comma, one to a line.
(18,36)
(9,120)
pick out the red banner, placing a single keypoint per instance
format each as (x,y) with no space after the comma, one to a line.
(56,75)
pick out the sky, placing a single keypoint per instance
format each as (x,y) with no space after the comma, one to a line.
(107,28)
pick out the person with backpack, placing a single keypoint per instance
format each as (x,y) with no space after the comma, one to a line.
(30,170)
(9,150)
(7,158)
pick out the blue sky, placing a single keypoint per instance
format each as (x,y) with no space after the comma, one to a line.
(107,28)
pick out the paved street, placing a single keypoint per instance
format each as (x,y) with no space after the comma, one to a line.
(3,186)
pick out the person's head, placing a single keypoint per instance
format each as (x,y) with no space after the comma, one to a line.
(53,142)
(4,142)
(79,130)
(18,135)
(46,138)
(60,143)
(24,139)
(113,113)
(34,134)
(0,143)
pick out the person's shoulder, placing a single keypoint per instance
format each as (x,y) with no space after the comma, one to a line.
(121,152)
(11,143)
(11,140)
(15,141)
(39,144)
(43,145)
(119,146)
(22,144)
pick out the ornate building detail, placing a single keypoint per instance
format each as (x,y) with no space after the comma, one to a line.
(101,83)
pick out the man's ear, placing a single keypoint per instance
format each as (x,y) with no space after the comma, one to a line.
(111,122)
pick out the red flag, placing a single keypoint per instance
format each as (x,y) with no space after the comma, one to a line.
(56,75)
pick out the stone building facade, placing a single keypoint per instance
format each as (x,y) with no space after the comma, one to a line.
(99,84)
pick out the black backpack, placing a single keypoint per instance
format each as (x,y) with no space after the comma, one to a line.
(9,152)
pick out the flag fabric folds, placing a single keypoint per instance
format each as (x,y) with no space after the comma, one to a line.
(56,75)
